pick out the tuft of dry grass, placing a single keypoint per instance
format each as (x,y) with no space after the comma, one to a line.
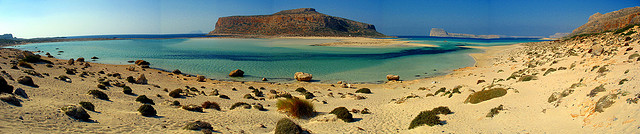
(296,107)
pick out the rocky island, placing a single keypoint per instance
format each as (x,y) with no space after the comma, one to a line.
(295,22)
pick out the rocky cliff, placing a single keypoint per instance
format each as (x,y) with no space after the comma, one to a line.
(610,21)
(296,22)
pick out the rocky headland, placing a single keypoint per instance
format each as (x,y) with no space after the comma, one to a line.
(295,22)
(599,22)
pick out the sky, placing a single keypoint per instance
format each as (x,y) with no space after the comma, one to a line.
(57,18)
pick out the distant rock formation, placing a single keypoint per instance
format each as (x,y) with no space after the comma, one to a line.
(6,36)
(610,21)
(438,32)
(558,35)
(296,22)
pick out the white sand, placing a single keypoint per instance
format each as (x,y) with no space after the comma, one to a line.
(526,107)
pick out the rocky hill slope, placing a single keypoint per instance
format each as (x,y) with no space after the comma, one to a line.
(610,21)
(296,22)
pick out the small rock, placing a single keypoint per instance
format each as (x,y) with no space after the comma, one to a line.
(264,79)
(200,78)
(70,62)
(75,112)
(142,62)
(176,71)
(198,125)
(300,76)
(26,80)
(480,81)
(141,79)
(80,59)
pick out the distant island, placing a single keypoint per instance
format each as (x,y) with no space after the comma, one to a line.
(295,22)
(438,32)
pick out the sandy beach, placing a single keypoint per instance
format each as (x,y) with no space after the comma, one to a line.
(528,106)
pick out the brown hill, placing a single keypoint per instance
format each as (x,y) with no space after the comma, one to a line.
(296,22)
(610,21)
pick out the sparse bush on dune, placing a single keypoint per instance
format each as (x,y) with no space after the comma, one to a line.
(99,94)
(87,105)
(296,107)
(147,110)
(144,99)
(605,102)
(301,90)
(198,125)
(176,93)
(11,99)
(443,89)
(130,79)
(364,90)
(342,113)
(596,90)
(550,70)
(192,107)
(633,56)
(495,111)
(484,95)
(210,104)
(602,69)
(429,117)
(286,126)
(240,104)
(308,95)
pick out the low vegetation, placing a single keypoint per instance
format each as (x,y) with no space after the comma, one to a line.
(495,111)
(145,99)
(198,125)
(240,104)
(343,114)
(87,105)
(177,93)
(76,112)
(286,126)
(147,110)
(99,94)
(485,95)
(429,117)
(192,107)
(364,90)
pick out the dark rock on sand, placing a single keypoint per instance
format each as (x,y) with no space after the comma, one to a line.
(236,73)
(80,59)
(4,87)
(76,112)
(70,62)
(20,92)
(393,77)
(141,79)
(26,80)
(176,71)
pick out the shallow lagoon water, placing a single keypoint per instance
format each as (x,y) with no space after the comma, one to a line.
(278,59)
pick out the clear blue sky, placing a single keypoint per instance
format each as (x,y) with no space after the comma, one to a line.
(49,18)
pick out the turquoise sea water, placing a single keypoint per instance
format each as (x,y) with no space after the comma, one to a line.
(279,59)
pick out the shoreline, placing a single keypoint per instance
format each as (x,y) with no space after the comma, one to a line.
(475,56)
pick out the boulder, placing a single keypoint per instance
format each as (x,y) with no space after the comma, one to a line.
(141,79)
(4,87)
(393,77)
(70,62)
(236,73)
(176,71)
(596,50)
(300,76)
(76,112)
(20,92)
(26,80)
(80,59)
(264,79)
(142,62)
(200,78)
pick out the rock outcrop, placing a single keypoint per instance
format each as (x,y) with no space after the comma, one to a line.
(610,21)
(296,22)
(236,73)
(300,76)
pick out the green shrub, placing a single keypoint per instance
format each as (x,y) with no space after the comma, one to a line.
(495,111)
(485,95)
(11,100)
(210,104)
(87,105)
(286,126)
(622,81)
(32,58)
(296,107)
(249,96)
(258,93)
(99,94)
(443,89)
(550,70)
(198,125)
(425,118)
(342,113)
(127,90)
(442,110)
(147,110)
(101,86)
(528,78)
(144,99)
(596,90)
(457,90)
(364,90)
(623,29)
(635,55)
(176,93)
(605,102)
(603,69)
(192,107)
(175,103)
